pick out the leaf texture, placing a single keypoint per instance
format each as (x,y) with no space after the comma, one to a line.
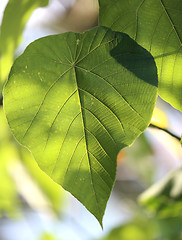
(75,100)
(156,25)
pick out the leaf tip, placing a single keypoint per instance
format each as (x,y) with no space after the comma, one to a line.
(101,223)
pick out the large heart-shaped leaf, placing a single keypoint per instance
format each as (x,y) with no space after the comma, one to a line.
(75,100)
(157,26)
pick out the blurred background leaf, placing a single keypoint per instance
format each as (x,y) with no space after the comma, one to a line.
(8,155)
(164,198)
(138,229)
(51,190)
(47,236)
(16,14)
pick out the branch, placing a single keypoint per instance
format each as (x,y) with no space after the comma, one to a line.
(165,130)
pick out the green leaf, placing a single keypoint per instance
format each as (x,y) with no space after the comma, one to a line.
(164,197)
(75,100)
(156,25)
(16,14)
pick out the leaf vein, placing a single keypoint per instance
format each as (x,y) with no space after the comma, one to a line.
(95,49)
(58,115)
(105,107)
(98,143)
(171,22)
(72,156)
(122,97)
(101,165)
(55,163)
(52,85)
(101,125)
(155,29)
(89,163)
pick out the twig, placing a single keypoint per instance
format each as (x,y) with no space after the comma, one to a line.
(165,130)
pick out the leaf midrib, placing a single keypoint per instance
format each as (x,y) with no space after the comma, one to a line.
(86,147)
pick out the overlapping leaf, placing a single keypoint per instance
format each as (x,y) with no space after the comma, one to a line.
(74,100)
(156,25)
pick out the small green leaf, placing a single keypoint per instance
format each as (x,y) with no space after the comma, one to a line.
(156,25)
(16,14)
(75,100)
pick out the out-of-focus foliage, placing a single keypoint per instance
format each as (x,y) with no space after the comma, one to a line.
(159,118)
(15,17)
(170,228)
(140,155)
(47,236)
(164,198)
(51,190)
(81,17)
(138,229)
(8,155)
(146,228)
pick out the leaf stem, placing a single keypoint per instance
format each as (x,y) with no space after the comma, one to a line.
(165,130)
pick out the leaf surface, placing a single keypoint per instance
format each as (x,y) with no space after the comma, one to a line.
(75,100)
(155,25)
